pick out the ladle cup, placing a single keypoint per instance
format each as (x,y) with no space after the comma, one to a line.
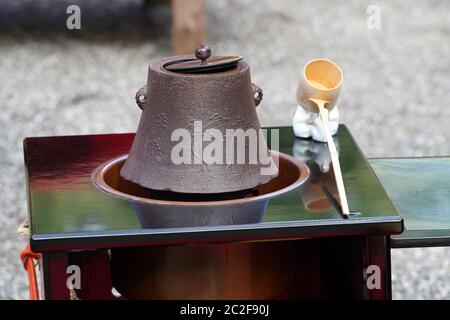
(318,91)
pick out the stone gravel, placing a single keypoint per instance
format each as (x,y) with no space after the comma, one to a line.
(58,82)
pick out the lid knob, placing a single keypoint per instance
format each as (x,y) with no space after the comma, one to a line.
(203,52)
(199,64)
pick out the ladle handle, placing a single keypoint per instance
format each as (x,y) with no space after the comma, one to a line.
(141,97)
(334,159)
(257,94)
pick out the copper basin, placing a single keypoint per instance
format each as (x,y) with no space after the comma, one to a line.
(164,209)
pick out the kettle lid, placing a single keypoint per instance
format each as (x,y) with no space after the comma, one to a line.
(200,64)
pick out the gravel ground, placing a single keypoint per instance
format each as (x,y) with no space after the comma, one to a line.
(58,82)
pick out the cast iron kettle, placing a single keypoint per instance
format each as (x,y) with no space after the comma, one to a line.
(194,93)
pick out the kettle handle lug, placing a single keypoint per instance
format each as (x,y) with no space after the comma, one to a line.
(257,94)
(141,97)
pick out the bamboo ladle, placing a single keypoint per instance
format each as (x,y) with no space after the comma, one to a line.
(318,91)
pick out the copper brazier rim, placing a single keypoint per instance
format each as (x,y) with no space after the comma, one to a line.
(99,181)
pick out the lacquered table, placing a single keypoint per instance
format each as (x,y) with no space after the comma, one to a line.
(72,222)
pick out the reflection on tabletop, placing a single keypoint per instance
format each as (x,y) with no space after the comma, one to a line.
(320,194)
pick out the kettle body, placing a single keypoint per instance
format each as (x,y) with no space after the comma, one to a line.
(197,132)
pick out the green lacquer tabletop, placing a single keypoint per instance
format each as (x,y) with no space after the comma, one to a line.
(420,189)
(68,212)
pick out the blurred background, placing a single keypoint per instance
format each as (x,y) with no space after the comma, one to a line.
(56,81)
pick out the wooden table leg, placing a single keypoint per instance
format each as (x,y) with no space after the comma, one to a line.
(95,274)
(188,25)
(53,268)
(356,268)
(95,278)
